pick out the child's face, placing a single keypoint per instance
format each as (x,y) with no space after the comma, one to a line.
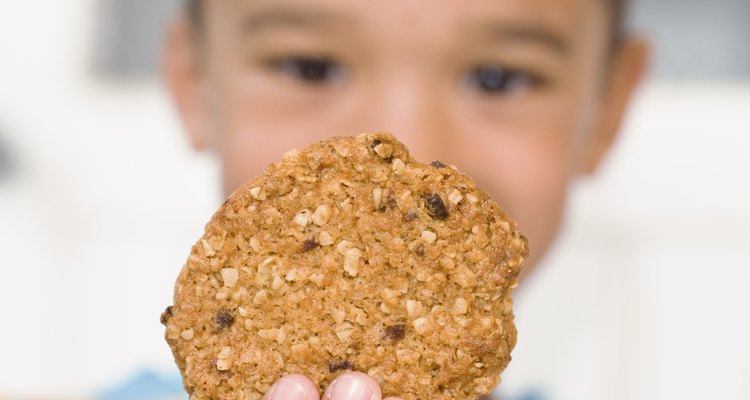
(516,93)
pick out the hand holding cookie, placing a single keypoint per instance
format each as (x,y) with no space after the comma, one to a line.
(348,386)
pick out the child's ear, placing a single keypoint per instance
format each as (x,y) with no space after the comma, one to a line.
(625,71)
(181,68)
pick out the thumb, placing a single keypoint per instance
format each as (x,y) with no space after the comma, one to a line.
(293,387)
(353,386)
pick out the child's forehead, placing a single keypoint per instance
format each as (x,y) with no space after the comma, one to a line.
(556,22)
(561,12)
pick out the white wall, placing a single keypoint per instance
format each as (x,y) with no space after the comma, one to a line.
(648,296)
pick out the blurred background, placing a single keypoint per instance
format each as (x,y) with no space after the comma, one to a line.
(647,293)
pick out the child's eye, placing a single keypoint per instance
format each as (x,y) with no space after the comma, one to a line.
(309,69)
(495,79)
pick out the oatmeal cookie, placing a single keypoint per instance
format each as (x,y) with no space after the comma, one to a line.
(349,255)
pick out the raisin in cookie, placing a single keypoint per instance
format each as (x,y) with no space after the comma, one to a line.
(349,255)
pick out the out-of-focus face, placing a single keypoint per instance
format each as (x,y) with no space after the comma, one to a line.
(513,92)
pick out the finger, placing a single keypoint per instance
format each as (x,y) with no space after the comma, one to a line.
(353,386)
(293,387)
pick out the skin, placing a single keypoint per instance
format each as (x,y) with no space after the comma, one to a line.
(525,96)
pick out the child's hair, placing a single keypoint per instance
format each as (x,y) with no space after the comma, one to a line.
(617,8)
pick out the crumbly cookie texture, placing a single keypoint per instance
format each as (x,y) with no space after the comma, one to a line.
(349,255)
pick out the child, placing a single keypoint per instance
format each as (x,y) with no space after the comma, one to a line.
(524,96)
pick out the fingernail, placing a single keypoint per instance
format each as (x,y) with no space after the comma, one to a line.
(349,388)
(286,389)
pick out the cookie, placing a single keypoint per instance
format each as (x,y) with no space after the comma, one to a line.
(349,255)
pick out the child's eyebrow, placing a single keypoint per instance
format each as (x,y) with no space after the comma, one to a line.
(292,17)
(515,32)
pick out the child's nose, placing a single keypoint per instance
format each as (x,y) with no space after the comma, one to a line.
(417,116)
